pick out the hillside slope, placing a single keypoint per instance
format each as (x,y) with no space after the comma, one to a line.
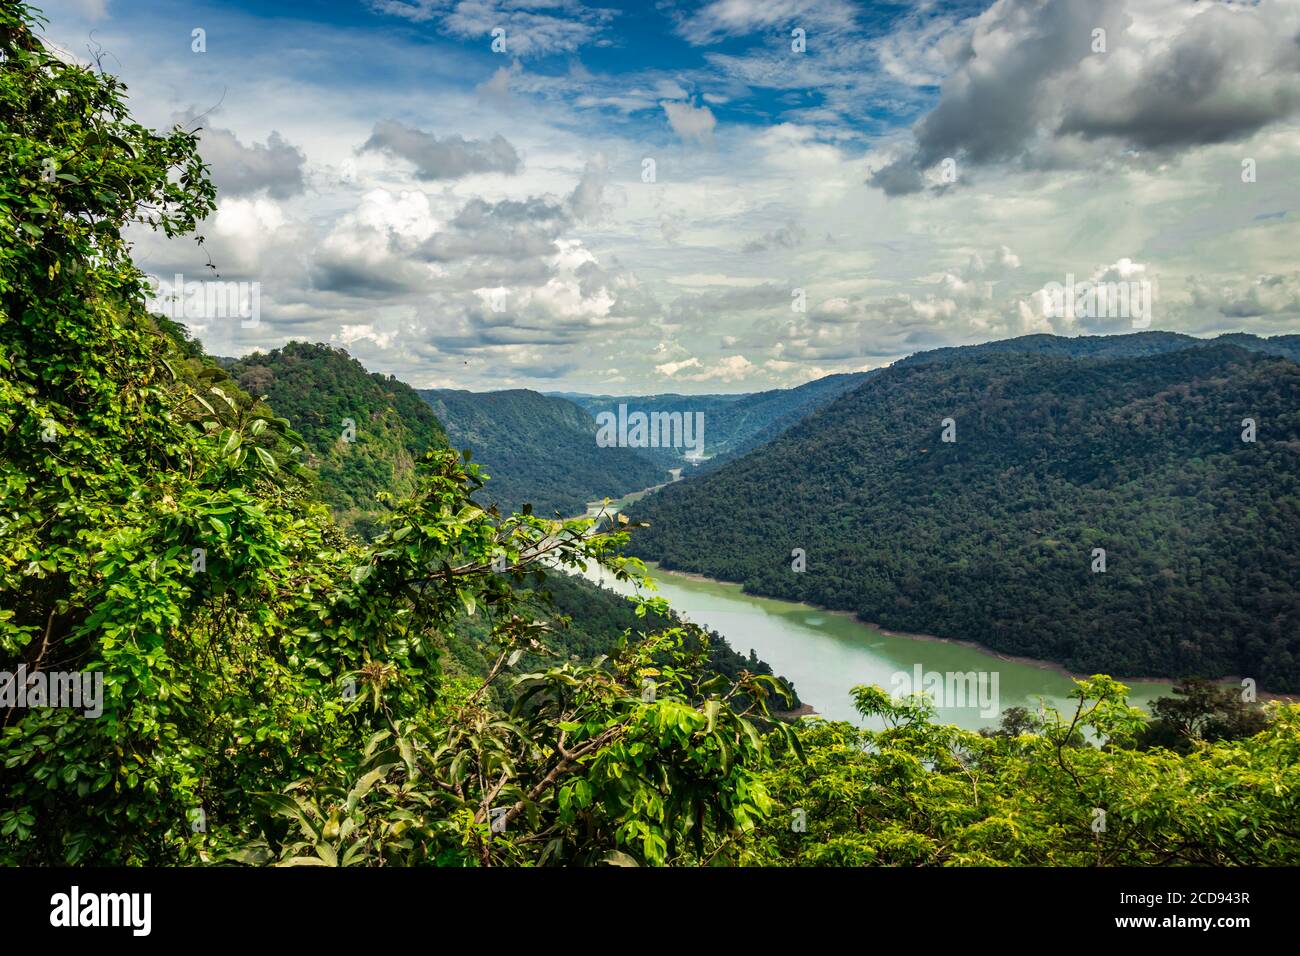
(538,450)
(990,538)
(1124,345)
(320,390)
(737,424)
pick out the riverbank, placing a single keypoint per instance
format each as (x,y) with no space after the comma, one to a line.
(825,654)
(1051,666)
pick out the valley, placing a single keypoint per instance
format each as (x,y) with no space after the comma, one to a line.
(826,653)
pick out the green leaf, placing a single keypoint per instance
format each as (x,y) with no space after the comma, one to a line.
(467,598)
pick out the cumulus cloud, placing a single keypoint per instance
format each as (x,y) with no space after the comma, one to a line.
(560,300)
(350,335)
(1235,298)
(510,230)
(1055,83)
(449,158)
(692,124)
(587,201)
(975,282)
(732,368)
(1118,297)
(274,168)
(369,251)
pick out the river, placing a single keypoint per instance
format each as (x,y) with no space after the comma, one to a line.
(826,653)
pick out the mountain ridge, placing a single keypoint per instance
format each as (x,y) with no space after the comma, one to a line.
(539,449)
(892,518)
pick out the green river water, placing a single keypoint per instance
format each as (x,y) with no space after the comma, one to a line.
(826,653)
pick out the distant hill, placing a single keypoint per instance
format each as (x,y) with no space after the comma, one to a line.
(780,409)
(320,390)
(1129,345)
(539,450)
(759,418)
(710,406)
(991,538)
(737,424)
(733,424)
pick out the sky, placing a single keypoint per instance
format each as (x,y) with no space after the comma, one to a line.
(718,196)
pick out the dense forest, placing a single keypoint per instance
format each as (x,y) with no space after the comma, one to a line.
(279,691)
(362,431)
(991,537)
(1126,345)
(737,424)
(539,450)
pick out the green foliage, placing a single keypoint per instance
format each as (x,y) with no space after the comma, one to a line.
(1201,711)
(921,794)
(990,538)
(289,685)
(588,621)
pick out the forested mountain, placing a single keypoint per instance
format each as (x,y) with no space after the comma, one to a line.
(787,407)
(394,426)
(539,450)
(991,537)
(364,431)
(736,424)
(1127,345)
(711,406)
(757,419)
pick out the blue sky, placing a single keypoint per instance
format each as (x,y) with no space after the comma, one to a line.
(918,174)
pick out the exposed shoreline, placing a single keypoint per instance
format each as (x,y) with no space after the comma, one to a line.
(974,645)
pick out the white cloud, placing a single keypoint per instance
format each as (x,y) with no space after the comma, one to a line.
(352,334)
(530,29)
(691,123)
(717,19)
(732,368)
(601,270)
